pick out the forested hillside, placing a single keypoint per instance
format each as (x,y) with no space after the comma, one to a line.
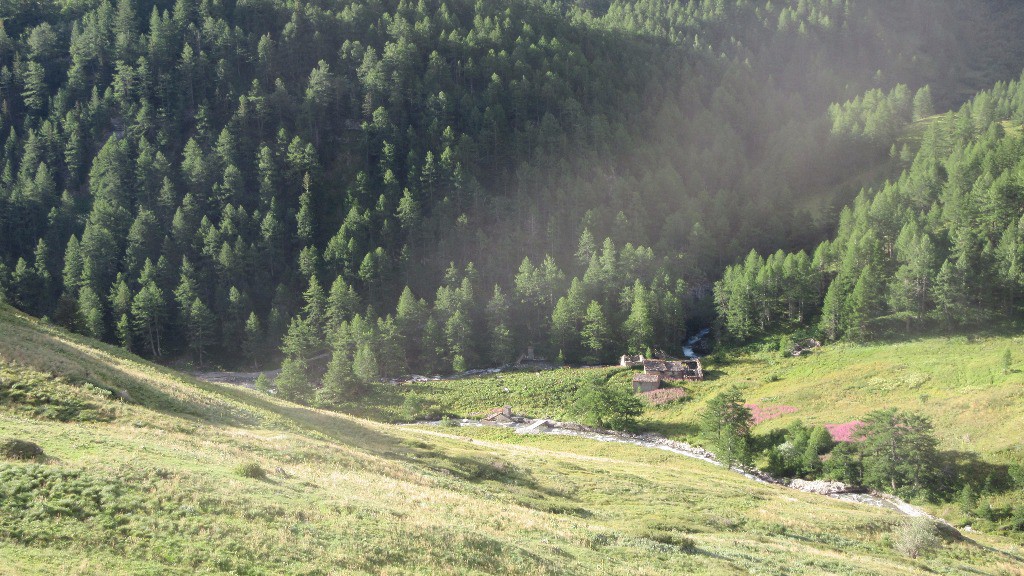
(207,177)
(941,247)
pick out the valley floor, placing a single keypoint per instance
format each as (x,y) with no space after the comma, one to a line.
(151,485)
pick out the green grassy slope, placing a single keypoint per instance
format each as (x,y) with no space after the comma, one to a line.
(149,487)
(958,382)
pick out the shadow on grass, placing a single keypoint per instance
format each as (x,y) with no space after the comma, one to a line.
(1016,558)
(80,359)
(713,374)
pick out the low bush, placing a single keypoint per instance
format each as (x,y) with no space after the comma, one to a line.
(251,470)
(671,538)
(609,406)
(14,449)
(915,536)
(417,407)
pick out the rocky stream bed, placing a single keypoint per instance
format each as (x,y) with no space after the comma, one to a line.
(836,490)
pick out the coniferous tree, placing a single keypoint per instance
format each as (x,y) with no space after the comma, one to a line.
(864,304)
(262,383)
(73,267)
(950,295)
(410,317)
(833,312)
(293,383)
(725,425)
(340,383)
(300,341)
(923,105)
(148,315)
(639,325)
(365,366)
(433,346)
(125,330)
(27,286)
(252,342)
(315,308)
(201,327)
(899,450)
(342,303)
(596,334)
(912,284)
(92,313)
(390,348)
(567,322)
(66,313)
(501,343)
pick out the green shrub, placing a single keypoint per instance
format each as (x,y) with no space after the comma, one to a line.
(671,538)
(14,449)
(1017,519)
(785,346)
(1016,472)
(419,407)
(915,536)
(251,470)
(609,406)
(844,464)
(262,383)
(725,427)
(968,500)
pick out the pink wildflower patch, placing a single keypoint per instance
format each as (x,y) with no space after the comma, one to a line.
(665,395)
(846,432)
(766,413)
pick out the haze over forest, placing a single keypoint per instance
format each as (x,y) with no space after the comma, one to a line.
(354,286)
(244,154)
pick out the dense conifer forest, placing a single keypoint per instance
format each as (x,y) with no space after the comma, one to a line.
(435,186)
(941,247)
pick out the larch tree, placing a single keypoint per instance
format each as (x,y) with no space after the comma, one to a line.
(725,424)
(201,330)
(148,314)
(596,334)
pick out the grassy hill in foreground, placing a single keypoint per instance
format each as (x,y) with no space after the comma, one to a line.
(151,485)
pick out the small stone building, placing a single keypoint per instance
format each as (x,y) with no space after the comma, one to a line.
(646,382)
(689,369)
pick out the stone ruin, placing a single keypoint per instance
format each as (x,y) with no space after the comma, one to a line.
(805,346)
(632,361)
